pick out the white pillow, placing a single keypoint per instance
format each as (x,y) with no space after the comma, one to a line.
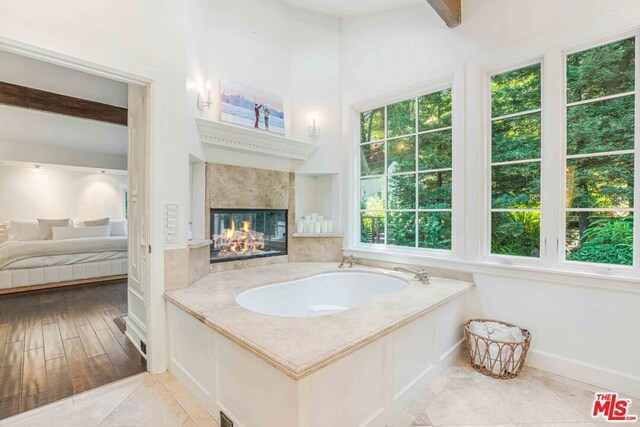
(47,224)
(24,230)
(64,233)
(119,227)
(96,222)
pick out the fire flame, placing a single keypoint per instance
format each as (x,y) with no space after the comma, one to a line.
(232,242)
(229,232)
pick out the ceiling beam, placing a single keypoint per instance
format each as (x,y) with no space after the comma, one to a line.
(40,100)
(449,10)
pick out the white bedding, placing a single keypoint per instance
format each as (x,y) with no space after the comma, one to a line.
(68,259)
(17,254)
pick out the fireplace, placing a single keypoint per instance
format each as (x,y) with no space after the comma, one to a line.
(240,234)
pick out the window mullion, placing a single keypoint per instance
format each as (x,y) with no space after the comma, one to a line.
(553,117)
(636,197)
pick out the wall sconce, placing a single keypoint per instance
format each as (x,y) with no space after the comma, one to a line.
(205,103)
(314,129)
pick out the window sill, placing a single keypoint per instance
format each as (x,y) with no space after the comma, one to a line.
(609,282)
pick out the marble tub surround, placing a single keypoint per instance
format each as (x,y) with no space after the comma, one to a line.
(310,249)
(433,271)
(220,267)
(199,254)
(185,266)
(176,268)
(300,346)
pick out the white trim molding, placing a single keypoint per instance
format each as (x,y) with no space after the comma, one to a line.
(235,138)
(585,372)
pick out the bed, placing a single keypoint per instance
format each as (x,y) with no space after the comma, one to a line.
(39,264)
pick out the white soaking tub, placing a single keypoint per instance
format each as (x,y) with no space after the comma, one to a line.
(297,366)
(319,295)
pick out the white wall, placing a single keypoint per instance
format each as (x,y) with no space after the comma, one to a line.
(39,153)
(27,193)
(282,50)
(578,330)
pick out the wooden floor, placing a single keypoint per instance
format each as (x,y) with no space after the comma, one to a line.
(59,342)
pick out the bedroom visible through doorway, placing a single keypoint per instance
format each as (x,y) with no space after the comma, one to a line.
(73,207)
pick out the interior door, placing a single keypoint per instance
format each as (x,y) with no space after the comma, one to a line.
(138,210)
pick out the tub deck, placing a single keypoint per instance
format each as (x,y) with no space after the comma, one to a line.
(299,347)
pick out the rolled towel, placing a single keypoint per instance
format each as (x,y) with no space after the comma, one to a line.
(501,358)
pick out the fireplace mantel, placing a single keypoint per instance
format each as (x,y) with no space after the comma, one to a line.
(235,138)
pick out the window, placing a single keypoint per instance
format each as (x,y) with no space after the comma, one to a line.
(516,110)
(600,150)
(406,173)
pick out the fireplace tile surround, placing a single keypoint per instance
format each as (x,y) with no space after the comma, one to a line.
(238,187)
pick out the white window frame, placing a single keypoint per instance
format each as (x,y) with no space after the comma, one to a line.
(553,179)
(488,176)
(598,268)
(453,82)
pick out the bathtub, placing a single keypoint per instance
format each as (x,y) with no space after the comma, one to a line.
(319,295)
(296,365)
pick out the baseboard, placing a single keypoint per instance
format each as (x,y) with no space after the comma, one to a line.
(135,335)
(191,383)
(87,281)
(617,381)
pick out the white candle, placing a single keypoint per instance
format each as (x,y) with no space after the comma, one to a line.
(308,227)
(330,227)
(325,227)
(299,226)
(314,217)
(320,218)
(317,227)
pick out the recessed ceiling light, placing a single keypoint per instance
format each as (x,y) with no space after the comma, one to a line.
(103,171)
(36,166)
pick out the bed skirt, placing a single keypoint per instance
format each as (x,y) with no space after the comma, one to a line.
(10,279)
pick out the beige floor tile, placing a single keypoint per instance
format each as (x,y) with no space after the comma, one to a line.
(527,400)
(422,420)
(86,409)
(463,402)
(402,420)
(203,419)
(183,397)
(149,405)
(165,377)
(577,397)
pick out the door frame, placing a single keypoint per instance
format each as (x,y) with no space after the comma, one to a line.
(97,64)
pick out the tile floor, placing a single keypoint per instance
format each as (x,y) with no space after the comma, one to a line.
(459,397)
(462,396)
(143,400)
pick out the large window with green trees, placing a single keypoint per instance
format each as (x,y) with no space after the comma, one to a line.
(516,111)
(406,173)
(600,150)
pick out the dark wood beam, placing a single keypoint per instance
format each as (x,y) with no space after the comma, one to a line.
(449,10)
(35,99)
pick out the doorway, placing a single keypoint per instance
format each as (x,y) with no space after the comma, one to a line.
(62,334)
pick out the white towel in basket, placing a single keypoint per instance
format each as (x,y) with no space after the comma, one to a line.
(498,332)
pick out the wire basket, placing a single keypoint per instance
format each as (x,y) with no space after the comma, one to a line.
(497,359)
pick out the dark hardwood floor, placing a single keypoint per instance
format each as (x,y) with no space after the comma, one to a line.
(59,342)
